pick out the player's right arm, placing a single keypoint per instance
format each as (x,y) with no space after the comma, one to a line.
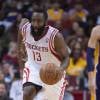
(95,36)
(21,47)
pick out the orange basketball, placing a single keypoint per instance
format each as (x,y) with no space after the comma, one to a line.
(50,73)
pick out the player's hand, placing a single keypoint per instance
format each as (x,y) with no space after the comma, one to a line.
(91,82)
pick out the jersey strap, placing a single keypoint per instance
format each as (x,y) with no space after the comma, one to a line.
(23,30)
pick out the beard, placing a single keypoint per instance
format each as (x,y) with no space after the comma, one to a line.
(37,31)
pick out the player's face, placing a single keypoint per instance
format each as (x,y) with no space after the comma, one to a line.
(38,22)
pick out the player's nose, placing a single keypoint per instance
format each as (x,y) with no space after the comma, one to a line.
(36,24)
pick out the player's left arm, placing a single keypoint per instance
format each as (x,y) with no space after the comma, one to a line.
(93,40)
(62,49)
(91,47)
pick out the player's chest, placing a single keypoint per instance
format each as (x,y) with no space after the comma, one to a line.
(42,42)
(41,45)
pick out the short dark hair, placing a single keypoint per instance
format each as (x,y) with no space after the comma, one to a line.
(41,10)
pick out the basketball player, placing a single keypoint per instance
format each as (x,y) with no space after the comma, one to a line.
(43,44)
(94,39)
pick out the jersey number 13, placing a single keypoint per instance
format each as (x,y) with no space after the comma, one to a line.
(37,56)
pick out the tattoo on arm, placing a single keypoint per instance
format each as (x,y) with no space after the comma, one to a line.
(21,51)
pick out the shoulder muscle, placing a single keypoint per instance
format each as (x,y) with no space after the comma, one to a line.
(95,36)
(23,22)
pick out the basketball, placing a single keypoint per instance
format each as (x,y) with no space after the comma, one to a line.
(50,73)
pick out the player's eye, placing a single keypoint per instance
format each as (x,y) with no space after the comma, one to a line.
(37,20)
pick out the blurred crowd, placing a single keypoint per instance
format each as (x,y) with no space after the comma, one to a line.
(74,18)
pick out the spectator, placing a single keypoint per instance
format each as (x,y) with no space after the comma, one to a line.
(78,13)
(11,56)
(77,63)
(65,24)
(3,91)
(8,74)
(3,20)
(16,87)
(55,12)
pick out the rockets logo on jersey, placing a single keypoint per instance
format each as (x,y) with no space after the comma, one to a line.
(35,47)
